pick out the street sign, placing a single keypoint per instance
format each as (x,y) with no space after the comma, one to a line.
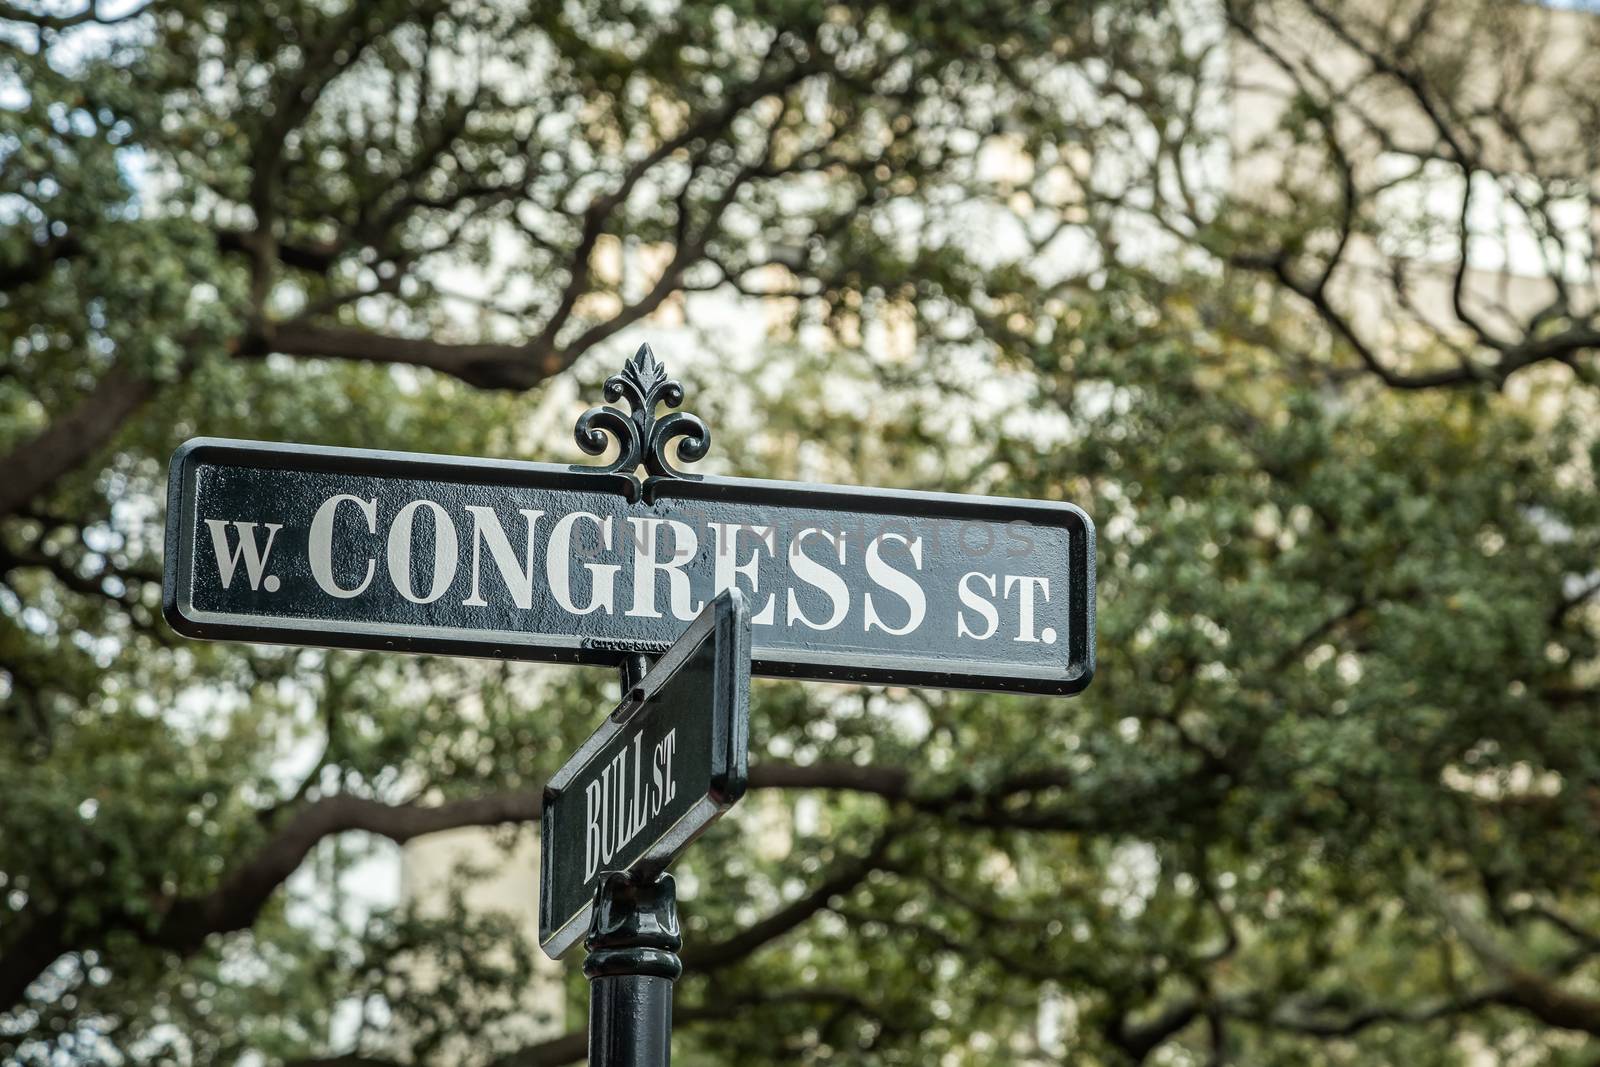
(295,544)
(355,548)
(667,762)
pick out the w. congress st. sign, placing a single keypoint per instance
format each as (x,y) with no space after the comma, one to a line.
(390,550)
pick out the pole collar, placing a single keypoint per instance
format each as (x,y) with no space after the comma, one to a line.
(634,930)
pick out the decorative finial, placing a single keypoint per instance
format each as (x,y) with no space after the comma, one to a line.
(640,435)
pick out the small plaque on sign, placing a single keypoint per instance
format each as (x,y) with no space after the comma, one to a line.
(668,761)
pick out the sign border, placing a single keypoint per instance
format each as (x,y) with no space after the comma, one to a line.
(725,621)
(823,665)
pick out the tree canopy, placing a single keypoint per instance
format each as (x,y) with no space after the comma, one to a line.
(1297,299)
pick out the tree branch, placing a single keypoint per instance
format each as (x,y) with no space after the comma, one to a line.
(235,903)
(37,263)
(487,366)
(1138,1040)
(316,258)
(845,876)
(90,13)
(35,464)
(239,898)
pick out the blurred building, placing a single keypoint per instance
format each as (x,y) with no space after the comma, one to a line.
(499,881)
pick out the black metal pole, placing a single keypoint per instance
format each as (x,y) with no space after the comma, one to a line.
(632,670)
(633,960)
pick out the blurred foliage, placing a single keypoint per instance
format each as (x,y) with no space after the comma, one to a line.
(1334,796)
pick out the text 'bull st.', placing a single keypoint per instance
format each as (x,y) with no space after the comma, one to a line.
(666,763)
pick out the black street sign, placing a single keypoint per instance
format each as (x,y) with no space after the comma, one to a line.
(296,544)
(668,761)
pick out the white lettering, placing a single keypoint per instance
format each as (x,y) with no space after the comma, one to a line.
(646,567)
(320,548)
(658,794)
(254,561)
(444,552)
(591,833)
(729,569)
(896,582)
(816,575)
(608,836)
(619,800)
(486,529)
(558,563)
(974,600)
(670,743)
(639,807)
(1028,584)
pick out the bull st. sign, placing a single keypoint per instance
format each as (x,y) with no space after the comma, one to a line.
(357,548)
(665,764)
